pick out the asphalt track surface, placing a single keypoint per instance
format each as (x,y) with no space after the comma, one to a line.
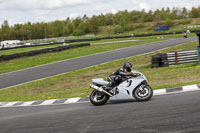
(174,113)
(30,74)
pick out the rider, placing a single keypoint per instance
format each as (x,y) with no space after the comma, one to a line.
(119,75)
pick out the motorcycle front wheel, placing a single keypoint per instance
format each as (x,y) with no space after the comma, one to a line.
(98,98)
(143,93)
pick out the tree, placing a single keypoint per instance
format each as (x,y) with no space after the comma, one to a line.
(5,25)
(184,12)
(85,18)
(101,19)
(174,13)
(67,31)
(78,32)
(58,28)
(168,12)
(157,19)
(84,26)
(94,24)
(194,13)
(168,22)
(109,19)
(147,17)
(76,22)
(118,29)
(5,30)
(134,16)
(121,21)
(70,28)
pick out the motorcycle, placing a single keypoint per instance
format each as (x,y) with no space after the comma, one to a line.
(133,87)
(184,35)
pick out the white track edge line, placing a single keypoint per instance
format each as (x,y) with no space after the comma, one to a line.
(90,66)
(76,58)
(78,98)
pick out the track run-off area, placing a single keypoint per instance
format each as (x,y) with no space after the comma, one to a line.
(30,74)
(170,113)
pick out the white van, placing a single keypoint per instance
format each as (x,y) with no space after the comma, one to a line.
(9,44)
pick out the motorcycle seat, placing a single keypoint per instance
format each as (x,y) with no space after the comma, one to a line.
(100,81)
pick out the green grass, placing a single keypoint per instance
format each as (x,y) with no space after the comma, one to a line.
(26,62)
(27,49)
(148,27)
(137,38)
(20,50)
(75,83)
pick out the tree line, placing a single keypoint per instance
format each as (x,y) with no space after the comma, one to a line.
(84,25)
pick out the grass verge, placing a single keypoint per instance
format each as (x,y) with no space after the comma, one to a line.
(26,62)
(75,83)
(138,38)
(26,49)
(20,50)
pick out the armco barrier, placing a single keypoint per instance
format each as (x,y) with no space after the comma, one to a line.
(182,57)
(41,51)
(34,45)
(174,58)
(95,39)
(115,37)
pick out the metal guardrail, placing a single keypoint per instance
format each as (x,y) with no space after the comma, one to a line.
(182,57)
(174,58)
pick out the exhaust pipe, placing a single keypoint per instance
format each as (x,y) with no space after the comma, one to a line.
(100,89)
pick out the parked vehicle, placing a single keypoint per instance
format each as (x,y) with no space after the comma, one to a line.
(131,88)
(10,44)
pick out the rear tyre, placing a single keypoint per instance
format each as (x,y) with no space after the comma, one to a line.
(98,98)
(143,93)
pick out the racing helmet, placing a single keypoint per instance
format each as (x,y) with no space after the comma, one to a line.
(127,66)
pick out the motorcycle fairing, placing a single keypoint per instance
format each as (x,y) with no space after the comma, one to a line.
(126,88)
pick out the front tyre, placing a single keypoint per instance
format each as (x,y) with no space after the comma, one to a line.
(98,98)
(143,93)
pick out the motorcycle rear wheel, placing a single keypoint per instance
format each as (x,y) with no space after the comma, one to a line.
(98,98)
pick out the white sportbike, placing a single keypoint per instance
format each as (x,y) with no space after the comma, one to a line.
(133,87)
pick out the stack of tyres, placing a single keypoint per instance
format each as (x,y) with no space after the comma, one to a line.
(164,60)
(159,60)
(155,60)
(41,51)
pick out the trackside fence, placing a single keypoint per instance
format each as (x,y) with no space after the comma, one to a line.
(182,57)
(174,58)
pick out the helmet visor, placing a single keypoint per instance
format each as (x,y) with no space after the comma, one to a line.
(128,69)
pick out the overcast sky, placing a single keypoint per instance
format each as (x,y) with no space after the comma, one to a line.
(22,11)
